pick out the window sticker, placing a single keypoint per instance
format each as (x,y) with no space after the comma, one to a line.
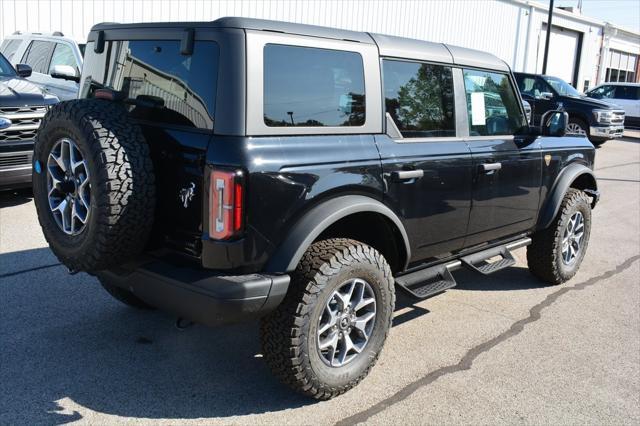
(478,112)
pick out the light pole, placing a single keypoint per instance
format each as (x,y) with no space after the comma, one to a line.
(546,44)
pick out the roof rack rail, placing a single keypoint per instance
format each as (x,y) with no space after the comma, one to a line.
(58,33)
(17,32)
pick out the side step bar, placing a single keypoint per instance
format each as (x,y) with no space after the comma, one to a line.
(479,261)
(430,281)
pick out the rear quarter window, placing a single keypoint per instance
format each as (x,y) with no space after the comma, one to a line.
(312,87)
(183,87)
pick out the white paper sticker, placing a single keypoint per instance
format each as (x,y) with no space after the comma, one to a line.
(478,113)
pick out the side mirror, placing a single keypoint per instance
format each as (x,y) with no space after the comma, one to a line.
(554,123)
(545,96)
(65,72)
(23,70)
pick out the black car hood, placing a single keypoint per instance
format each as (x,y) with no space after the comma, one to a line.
(16,91)
(591,102)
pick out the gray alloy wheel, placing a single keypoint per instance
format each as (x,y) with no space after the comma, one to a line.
(575,129)
(572,238)
(68,186)
(346,323)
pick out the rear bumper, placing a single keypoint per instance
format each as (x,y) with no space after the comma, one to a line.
(606,132)
(199,295)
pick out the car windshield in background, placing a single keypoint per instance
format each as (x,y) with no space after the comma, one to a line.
(562,87)
(6,69)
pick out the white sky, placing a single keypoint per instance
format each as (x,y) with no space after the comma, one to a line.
(625,13)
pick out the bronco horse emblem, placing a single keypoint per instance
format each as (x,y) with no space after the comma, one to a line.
(186,194)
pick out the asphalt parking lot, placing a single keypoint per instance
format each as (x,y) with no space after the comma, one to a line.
(495,350)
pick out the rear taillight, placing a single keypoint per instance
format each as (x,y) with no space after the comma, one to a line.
(226,202)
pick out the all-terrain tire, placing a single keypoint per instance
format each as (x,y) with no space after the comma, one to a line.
(122,194)
(288,335)
(123,295)
(544,255)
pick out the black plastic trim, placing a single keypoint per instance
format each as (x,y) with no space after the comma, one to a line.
(563,182)
(199,295)
(307,229)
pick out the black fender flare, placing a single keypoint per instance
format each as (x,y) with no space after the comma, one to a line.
(313,223)
(560,187)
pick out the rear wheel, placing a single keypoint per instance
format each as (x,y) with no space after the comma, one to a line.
(556,253)
(328,332)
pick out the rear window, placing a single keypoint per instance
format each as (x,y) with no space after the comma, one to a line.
(312,87)
(182,87)
(9,47)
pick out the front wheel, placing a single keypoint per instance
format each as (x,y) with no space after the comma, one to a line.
(329,330)
(577,126)
(556,253)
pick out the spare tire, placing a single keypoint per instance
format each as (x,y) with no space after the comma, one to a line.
(93,184)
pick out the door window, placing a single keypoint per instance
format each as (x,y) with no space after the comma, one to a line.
(312,87)
(419,98)
(492,104)
(627,92)
(38,55)
(63,55)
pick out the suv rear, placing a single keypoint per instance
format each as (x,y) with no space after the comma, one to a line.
(598,120)
(244,168)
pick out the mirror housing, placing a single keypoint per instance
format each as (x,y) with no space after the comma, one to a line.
(554,123)
(23,70)
(545,96)
(65,72)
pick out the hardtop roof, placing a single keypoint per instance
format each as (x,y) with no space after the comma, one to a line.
(400,47)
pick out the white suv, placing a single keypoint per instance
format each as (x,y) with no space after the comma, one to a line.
(625,95)
(56,60)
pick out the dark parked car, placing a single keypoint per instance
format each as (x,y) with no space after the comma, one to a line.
(598,120)
(22,106)
(244,168)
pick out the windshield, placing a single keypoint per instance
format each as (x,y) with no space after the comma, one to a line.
(6,70)
(562,87)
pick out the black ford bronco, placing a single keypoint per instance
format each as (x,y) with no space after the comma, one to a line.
(243,168)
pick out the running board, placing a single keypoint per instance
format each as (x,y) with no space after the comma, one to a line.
(481,261)
(427,282)
(430,281)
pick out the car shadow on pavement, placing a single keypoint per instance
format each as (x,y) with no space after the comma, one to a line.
(15,197)
(508,279)
(66,347)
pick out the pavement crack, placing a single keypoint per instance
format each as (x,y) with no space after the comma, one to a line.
(24,271)
(616,165)
(467,360)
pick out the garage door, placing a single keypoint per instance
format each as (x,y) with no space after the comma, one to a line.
(563,53)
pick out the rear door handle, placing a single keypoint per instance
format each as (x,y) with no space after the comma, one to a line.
(488,167)
(407,174)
